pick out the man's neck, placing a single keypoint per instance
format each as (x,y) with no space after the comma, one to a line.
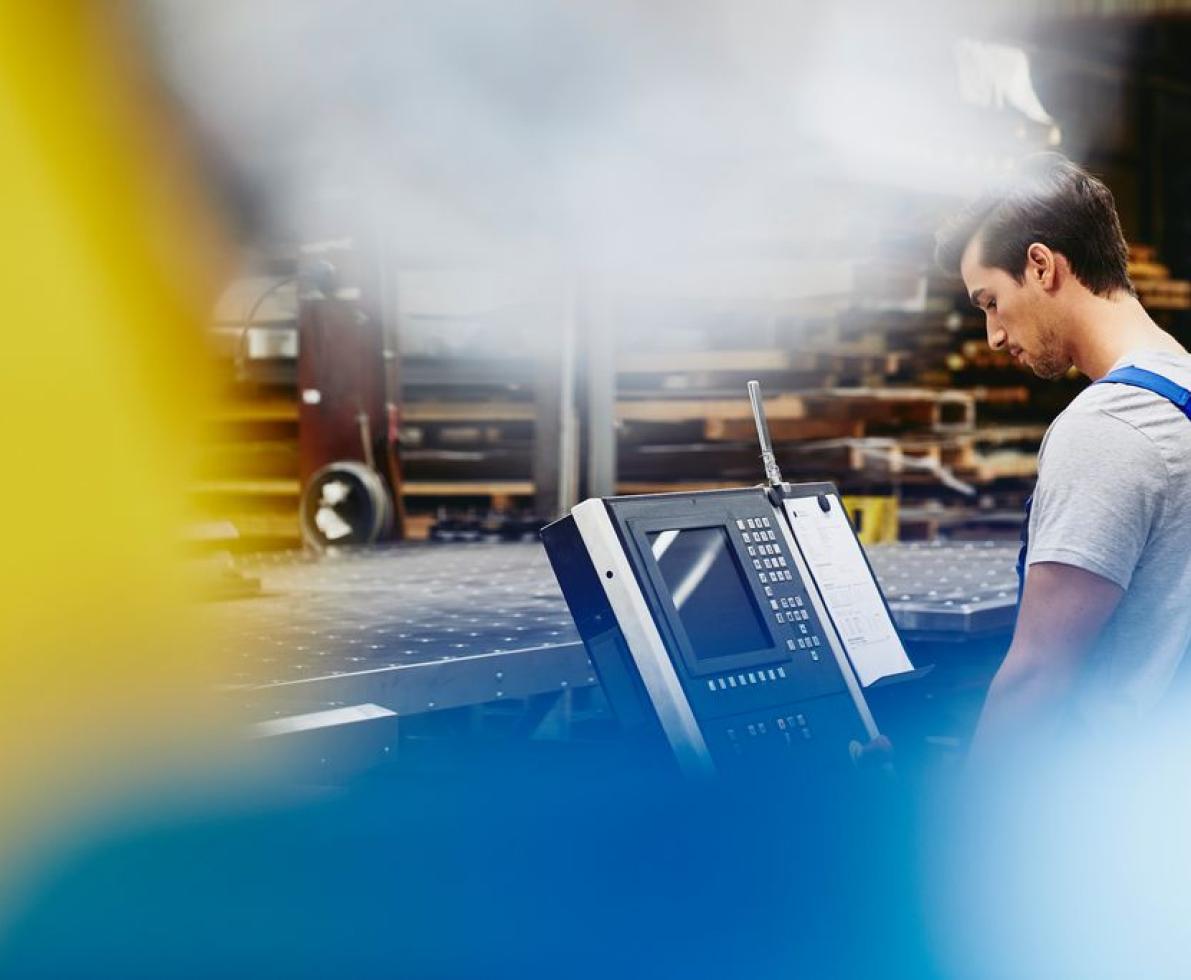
(1110,328)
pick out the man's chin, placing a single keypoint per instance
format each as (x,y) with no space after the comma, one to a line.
(1049,370)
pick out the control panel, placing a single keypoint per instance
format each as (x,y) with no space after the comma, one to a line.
(708,620)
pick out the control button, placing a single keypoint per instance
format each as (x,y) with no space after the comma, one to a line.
(752,729)
(798,600)
(801,720)
(773,676)
(731,681)
(752,678)
(802,626)
(780,617)
(781,724)
(789,646)
(785,602)
(768,591)
(711,685)
(757,563)
(752,552)
(746,537)
(765,521)
(762,576)
(740,523)
(751,523)
(781,672)
(723,684)
(774,604)
(815,640)
(801,643)
(740,679)
(772,536)
(768,562)
(761,727)
(814,656)
(782,562)
(761,676)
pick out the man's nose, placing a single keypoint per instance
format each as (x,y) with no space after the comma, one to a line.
(996,337)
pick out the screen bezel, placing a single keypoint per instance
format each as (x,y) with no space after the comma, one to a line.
(640,528)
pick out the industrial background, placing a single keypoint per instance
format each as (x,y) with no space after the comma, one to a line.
(371,293)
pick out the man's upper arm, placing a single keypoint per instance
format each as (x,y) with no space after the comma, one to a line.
(1099,490)
(1063,610)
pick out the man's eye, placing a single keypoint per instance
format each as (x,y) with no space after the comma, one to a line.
(992,304)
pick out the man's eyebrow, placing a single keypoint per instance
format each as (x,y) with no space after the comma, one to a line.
(977,296)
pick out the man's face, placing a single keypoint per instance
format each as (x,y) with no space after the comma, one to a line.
(1022,318)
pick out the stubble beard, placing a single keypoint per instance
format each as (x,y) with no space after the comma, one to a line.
(1052,361)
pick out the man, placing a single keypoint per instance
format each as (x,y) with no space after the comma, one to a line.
(1105,614)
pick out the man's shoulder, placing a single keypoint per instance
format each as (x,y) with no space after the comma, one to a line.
(1095,428)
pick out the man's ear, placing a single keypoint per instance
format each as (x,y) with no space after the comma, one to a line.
(1042,266)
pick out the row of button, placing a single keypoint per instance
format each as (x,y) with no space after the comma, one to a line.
(746,678)
(751,523)
(775,575)
(785,602)
(758,537)
(810,643)
(785,726)
(769,563)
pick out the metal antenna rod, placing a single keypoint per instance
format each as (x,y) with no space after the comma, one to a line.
(773,476)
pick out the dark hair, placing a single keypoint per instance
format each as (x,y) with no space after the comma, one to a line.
(1052,201)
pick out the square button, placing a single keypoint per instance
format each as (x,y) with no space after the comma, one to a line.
(773,676)
(723,684)
(802,626)
(711,685)
(765,521)
(774,604)
(781,672)
(791,645)
(763,577)
(731,681)
(751,523)
(780,617)
(740,523)
(768,591)
(798,600)
(757,563)
(752,552)
(746,537)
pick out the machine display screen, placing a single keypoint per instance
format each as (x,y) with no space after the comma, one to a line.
(708,589)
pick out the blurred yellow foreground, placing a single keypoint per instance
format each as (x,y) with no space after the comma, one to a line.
(109,255)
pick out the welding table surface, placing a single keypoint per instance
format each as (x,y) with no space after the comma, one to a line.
(429,626)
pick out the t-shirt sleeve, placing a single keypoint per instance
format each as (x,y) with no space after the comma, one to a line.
(1099,489)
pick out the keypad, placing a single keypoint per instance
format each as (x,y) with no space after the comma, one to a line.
(766,551)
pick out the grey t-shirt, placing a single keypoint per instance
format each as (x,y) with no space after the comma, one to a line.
(1114,497)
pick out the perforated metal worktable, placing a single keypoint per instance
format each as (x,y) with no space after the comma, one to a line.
(419,628)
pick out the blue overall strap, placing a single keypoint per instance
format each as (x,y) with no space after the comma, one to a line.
(1141,378)
(1128,375)
(1025,546)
